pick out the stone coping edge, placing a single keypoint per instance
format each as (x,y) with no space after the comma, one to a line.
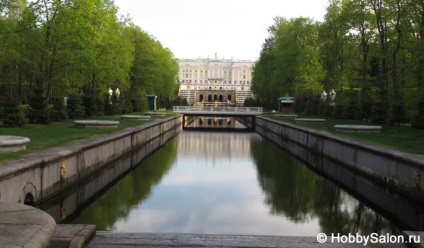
(25,226)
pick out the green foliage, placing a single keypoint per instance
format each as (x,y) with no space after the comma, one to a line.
(154,68)
(373,49)
(75,107)
(13,114)
(79,46)
(398,113)
(378,114)
(126,105)
(138,100)
(250,102)
(418,120)
(39,112)
(309,73)
(58,112)
(184,102)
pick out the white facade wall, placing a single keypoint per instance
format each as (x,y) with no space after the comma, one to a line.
(215,74)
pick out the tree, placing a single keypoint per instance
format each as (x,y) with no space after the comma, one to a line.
(154,69)
(290,61)
(309,73)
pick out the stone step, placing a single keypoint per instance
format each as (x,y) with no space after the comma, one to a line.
(132,240)
(72,236)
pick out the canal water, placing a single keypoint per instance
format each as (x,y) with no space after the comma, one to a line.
(228,183)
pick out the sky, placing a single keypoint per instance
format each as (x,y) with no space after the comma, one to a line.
(228,28)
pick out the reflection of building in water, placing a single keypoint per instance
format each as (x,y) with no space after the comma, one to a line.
(215,122)
(215,144)
(215,81)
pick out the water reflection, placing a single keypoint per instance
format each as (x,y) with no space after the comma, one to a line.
(228,183)
(216,122)
(117,202)
(294,191)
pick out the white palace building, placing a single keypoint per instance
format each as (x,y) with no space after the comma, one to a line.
(215,82)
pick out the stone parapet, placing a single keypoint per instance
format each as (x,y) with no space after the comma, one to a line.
(43,174)
(401,171)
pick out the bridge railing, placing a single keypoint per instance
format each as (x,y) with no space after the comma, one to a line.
(217,109)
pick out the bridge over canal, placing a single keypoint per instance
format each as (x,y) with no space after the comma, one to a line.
(244,115)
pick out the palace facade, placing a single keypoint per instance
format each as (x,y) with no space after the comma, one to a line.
(215,82)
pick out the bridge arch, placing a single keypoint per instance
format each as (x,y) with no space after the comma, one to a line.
(29,194)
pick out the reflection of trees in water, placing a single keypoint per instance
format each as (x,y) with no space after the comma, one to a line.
(294,191)
(116,203)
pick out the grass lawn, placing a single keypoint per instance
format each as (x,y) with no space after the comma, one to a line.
(400,138)
(61,133)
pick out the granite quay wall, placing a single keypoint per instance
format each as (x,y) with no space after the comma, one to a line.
(44,174)
(397,170)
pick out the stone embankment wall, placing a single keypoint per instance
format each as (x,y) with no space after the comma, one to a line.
(401,171)
(45,174)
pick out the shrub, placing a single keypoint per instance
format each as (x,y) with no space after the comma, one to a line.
(250,102)
(138,100)
(75,107)
(58,112)
(398,113)
(418,120)
(13,114)
(39,112)
(378,114)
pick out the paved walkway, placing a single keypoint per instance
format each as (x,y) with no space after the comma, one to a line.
(131,240)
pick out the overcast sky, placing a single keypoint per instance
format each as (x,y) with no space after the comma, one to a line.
(200,28)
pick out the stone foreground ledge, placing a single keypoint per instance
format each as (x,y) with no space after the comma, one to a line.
(133,240)
(24,226)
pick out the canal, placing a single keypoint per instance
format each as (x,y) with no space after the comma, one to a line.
(229,183)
